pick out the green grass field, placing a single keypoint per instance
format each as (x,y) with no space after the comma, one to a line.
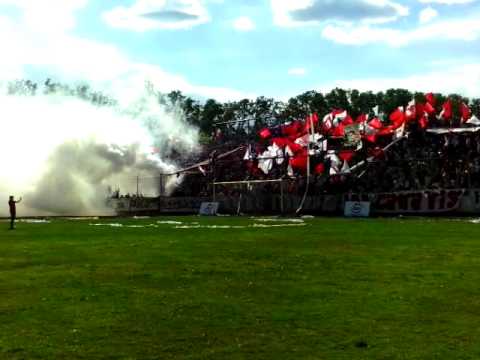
(332,289)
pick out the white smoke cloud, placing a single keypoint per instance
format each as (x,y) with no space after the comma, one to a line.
(61,152)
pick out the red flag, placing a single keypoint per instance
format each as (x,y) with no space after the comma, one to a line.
(311,120)
(265,133)
(346,155)
(339,131)
(292,130)
(320,169)
(294,147)
(397,118)
(371,138)
(431,99)
(280,142)
(387,130)
(299,161)
(419,110)
(429,108)
(466,112)
(376,124)
(347,121)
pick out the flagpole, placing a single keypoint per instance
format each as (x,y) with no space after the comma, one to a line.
(312,131)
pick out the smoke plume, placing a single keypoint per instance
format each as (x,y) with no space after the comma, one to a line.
(61,152)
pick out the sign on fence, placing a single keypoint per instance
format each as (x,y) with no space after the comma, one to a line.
(357,209)
(209,208)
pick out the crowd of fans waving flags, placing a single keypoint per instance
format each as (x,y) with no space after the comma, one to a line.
(337,144)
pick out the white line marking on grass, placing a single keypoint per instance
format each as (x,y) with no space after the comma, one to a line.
(279,220)
(209,227)
(236,226)
(111,225)
(35,221)
(83,218)
(276,225)
(116,225)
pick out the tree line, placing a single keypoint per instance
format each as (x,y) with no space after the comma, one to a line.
(262,111)
(242,119)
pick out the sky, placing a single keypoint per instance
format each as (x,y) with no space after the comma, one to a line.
(232,49)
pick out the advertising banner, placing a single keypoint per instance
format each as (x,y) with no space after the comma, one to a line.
(357,209)
(424,202)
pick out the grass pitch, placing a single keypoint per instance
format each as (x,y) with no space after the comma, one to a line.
(333,289)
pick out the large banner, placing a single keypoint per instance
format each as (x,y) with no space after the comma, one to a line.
(424,202)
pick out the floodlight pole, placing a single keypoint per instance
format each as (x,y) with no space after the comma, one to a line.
(138,180)
(311,136)
(161,192)
(281,199)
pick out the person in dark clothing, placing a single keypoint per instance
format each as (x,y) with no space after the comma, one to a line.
(13,210)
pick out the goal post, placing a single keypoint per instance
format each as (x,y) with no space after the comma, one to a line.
(247,185)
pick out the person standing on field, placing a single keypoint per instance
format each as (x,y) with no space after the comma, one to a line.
(13,210)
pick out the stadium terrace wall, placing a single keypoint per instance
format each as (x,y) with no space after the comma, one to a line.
(425,202)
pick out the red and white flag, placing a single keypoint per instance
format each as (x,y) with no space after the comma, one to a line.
(423,121)
(411,112)
(338,116)
(361,119)
(473,121)
(327,122)
(446,113)
(398,134)
(466,112)
(345,168)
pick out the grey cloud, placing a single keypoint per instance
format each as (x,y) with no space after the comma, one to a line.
(346,10)
(170,16)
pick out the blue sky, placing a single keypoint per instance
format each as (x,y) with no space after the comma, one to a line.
(229,49)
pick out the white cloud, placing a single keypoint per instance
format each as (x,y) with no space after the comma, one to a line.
(464,30)
(58,16)
(427,15)
(66,57)
(447,2)
(145,15)
(297,72)
(316,12)
(243,24)
(462,79)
